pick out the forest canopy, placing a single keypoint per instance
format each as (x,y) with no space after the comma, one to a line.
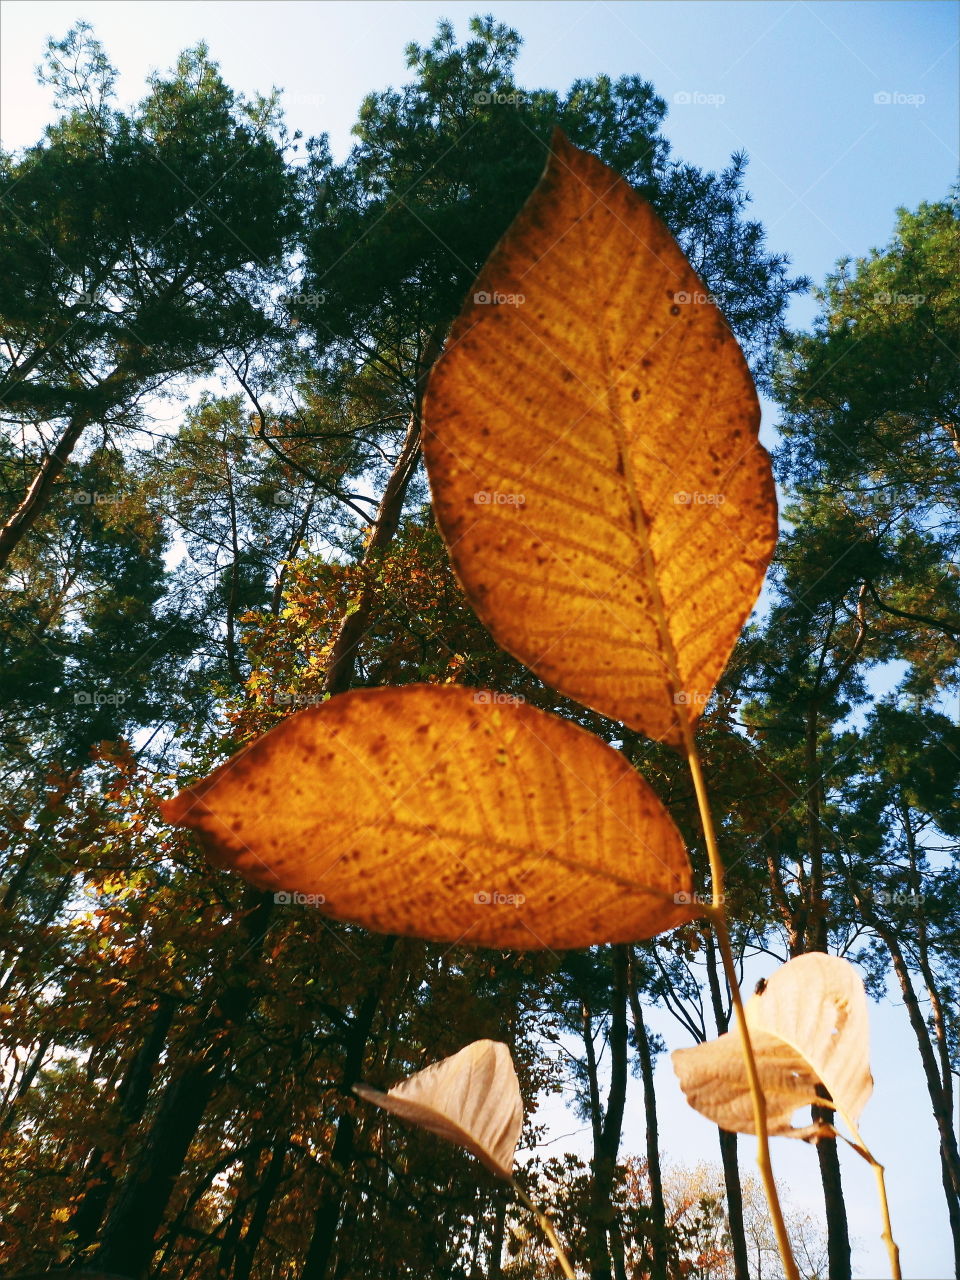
(218,342)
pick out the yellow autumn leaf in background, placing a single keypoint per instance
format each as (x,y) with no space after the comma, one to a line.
(591,441)
(433,811)
(809,1027)
(472,1099)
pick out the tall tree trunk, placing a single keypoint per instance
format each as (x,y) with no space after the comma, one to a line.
(495,1269)
(593,1080)
(476,1229)
(57,897)
(96,401)
(946,1080)
(232,1226)
(343,656)
(838,1236)
(26,1080)
(618,1251)
(233,665)
(16,881)
(250,1240)
(330,1209)
(926,968)
(100,1174)
(127,1237)
(603,1235)
(37,497)
(950,1153)
(296,541)
(239,1244)
(658,1212)
(828,1157)
(953,1210)
(729,1154)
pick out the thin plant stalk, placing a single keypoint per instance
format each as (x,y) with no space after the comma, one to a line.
(717,911)
(718,918)
(547,1227)
(886,1235)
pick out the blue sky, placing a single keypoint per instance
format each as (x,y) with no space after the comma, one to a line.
(846,110)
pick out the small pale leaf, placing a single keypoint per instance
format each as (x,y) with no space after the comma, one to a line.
(809,1027)
(714,1081)
(472,1099)
(435,811)
(591,441)
(818,1004)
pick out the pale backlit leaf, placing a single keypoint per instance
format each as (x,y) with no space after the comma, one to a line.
(471,1099)
(591,442)
(714,1081)
(439,812)
(808,1027)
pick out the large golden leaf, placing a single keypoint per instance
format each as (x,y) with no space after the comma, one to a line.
(591,440)
(439,812)
(809,1027)
(471,1099)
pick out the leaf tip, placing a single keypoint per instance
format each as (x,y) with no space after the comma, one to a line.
(178,810)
